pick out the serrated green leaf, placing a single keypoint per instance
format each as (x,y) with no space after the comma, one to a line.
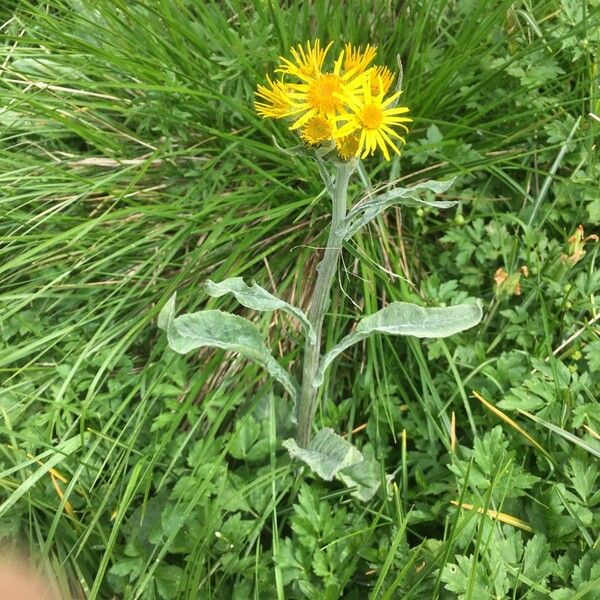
(326,454)
(592,354)
(593,209)
(167,579)
(257,298)
(402,318)
(537,561)
(217,329)
(467,578)
(365,212)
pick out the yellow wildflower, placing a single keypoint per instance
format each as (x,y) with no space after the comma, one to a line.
(347,146)
(345,104)
(319,94)
(357,61)
(374,117)
(308,63)
(273,100)
(316,131)
(384,75)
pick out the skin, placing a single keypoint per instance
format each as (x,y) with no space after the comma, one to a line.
(19,582)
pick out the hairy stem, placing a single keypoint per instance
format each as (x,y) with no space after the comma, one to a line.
(327,268)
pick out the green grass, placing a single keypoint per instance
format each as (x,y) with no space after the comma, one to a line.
(132,165)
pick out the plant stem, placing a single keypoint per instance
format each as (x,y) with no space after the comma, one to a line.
(327,268)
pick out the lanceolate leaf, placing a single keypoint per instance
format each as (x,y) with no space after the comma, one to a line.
(217,329)
(402,318)
(257,298)
(365,212)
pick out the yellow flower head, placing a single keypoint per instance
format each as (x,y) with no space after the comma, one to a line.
(316,131)
(356,60)
(273,100)
(347,146)
(374,117)
(324,94)
(308,63)
(344,104)
(386,77)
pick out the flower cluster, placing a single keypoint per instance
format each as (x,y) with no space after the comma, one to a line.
(346,105)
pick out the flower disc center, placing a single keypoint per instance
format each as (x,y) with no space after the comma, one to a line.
(371,116)
(321,93)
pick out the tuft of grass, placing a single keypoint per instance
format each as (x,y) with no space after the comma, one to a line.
(132,165)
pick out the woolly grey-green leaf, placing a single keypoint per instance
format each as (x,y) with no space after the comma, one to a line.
(326,454)
(167,312)
(330,455)
(364,476)
(218,329)
(365,212)
(402,318)
(257,298)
